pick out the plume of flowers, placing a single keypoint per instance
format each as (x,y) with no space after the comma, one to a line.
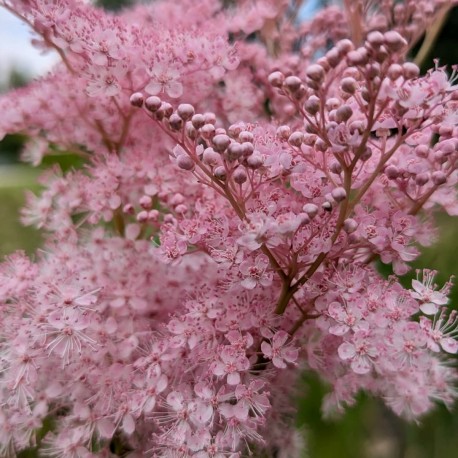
(221,235)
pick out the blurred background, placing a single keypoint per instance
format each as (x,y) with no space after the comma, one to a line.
(367,430)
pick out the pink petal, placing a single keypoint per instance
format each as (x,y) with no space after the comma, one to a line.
(346,351)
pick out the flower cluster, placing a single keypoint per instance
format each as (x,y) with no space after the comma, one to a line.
(221,235)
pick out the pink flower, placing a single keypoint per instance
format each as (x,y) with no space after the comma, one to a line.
(164,78)
(278,352)
(425,292)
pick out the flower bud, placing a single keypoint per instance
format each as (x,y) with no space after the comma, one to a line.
(207,131)
(311,210)
(239,176)
(255,161)
(221,142)
(367,154)
(334,57)
(247,148)
(191,131)
(350,225)
(422,178)
(185,111)
(220,173)
(348,85)
(136,99)
(357,57)
(246,136)
(295,139)
(375,38)
(283,132)
(167,109)
(312,105)
(210,118)
(198,121)
(175,122)
(336,168)
(211,157)
(394,71)
(292,83)
(315,72)
(146,202)
(142,216)
(153,103)
(345,45)
(184,162)
(339,194)
(439,177)
(234,152)
(326,206)
(128,209)
(235,129)
(410,70)
(276,79)
(394,41)
(343,113)
(392,172)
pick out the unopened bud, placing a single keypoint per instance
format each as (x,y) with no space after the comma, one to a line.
(167,109)
(142,216)
(239,176)
(394,41)
(336,168)
(410,70)
(175,122)
(350,225)
(207,131)
(146,202)
(348,85)
(153,103)
(136,99)
(185,111)
(283,132)
(184,162)
(439,177)
(345,45)
(422,178)
(339,194)
(311,210)
(394,71)
(211,157)
(276,79)
(246,136)
(327,206)
(220,173)
(367,154)
(210,118)
(221,142)
(315,72)
(312,105)
(392,172)
(254,161)
(198,120)
(247,148)
(295,139)
(292,83)
(343,113)
(375,38)
(234,152)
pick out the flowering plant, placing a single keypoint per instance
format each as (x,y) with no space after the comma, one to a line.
(243,172)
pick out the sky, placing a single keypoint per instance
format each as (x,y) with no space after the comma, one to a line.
(16,51)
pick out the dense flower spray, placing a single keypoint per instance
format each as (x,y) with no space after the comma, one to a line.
(243,171)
